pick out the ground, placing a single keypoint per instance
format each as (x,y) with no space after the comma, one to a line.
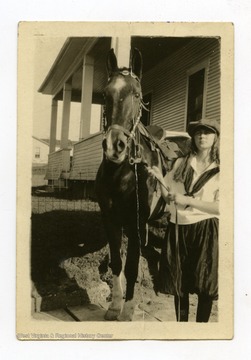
(70,265)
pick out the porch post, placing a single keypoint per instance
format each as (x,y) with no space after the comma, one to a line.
(86,97)
(53,129)
(66,115)
(122,47)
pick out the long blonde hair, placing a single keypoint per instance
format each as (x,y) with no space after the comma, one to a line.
(214,151)
(184,166)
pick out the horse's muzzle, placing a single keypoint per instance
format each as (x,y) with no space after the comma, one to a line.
(115,146)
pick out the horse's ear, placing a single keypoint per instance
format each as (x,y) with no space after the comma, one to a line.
(111,62)
(136,62)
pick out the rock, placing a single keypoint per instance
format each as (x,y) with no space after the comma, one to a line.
(98,292)
(85,270)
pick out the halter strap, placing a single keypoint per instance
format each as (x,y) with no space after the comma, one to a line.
(133,135)
(121,128)
(126,72)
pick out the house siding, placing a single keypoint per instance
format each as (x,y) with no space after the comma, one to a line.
(58,165)
(87,156)
(168,83)
(43,151)
(39,163)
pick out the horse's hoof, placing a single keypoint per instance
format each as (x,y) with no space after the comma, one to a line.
(112,314)
(127,312)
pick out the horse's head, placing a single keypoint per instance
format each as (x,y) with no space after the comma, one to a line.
(123,101)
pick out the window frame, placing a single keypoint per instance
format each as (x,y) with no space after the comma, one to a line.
(191,71)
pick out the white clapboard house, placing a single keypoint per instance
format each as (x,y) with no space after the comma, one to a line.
(181,83)
(40,152)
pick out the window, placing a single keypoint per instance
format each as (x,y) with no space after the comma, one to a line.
(37,153)
(196,92)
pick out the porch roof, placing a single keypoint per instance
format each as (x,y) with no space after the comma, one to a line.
(68,64)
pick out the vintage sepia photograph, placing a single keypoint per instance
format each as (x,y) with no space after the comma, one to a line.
(125,183)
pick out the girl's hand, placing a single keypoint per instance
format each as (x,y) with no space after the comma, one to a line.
(205,206)
(179,199)
(155,171)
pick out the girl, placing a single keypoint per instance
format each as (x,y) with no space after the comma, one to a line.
(189,258)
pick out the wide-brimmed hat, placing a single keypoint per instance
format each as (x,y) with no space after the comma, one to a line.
(210,124)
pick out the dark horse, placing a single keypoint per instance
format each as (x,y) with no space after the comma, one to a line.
(123,187)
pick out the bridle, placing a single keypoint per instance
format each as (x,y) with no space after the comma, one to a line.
(133,135)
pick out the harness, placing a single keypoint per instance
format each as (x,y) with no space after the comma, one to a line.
(135,149)
(133,135)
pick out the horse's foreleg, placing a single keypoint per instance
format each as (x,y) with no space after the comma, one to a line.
(131,273)
(115,307)
(115,235)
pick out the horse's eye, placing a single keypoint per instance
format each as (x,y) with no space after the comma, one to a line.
(137,95)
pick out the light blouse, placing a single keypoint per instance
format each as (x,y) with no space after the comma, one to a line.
(209,192)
